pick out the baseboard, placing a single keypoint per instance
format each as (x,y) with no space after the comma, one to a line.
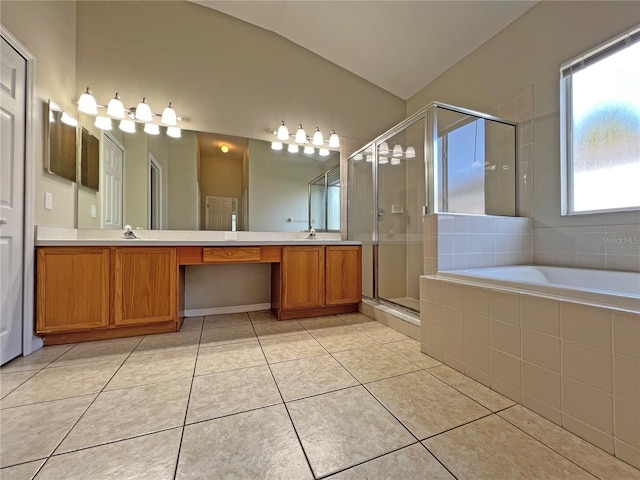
(201,312)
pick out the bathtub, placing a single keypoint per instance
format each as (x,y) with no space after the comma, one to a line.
(563,342)
(602,287)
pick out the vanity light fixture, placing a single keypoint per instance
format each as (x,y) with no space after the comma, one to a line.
(383,149)
(293,148)
(309,150)
(395,161)
(276,145)
(358,157)
(301,135)
(127,126)
(115,108)
(169,116)
(334,140)
(151,128)
(87,103)
(283,132)
(318,139)
(283,135)
(143,111)
(174,132)
(383,160)
(103,123)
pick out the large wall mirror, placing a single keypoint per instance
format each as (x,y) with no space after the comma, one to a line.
(201,181)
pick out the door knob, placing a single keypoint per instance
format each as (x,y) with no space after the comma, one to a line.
(3,221)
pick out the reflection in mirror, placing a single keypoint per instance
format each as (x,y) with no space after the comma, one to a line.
(61,157)
(206,181)
(324,201)
(89,159)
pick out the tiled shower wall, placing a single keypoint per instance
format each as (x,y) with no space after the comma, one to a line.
(458,241)
(612,247)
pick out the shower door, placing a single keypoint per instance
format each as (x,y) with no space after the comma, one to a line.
(401,196)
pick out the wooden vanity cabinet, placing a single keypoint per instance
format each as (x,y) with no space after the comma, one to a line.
(318,280)
(73,288)
(145,285)
(95,293)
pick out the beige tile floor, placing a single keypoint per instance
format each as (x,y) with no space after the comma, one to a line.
(244,396)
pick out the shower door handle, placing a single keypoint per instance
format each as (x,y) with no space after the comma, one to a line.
(381,214)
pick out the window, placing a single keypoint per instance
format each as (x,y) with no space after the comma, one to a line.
(600,118)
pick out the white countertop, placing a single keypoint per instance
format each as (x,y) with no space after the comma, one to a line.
(67,237)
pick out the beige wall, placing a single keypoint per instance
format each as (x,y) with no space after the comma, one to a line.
(530,52)
(183,179)
(48,31)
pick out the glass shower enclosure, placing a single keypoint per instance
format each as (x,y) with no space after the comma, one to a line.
(441,159)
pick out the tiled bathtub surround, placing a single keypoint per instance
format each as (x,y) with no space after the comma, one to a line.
(458,241)
(612,247)
(576,365)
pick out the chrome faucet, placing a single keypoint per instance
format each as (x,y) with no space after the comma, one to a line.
(312,233)
(128,232)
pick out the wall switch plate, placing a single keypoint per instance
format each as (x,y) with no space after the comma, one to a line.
(230,235)
(48,201)
(94,211)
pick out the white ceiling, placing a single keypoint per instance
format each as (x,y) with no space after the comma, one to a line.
(400,46)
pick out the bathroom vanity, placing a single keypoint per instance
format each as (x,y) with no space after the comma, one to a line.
(96,290)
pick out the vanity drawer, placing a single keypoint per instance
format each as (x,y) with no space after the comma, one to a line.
(231,254)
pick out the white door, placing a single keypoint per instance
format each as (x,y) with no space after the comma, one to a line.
(220,213)
(112,188)
(12,161)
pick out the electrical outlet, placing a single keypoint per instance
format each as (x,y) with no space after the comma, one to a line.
(48,201)
(94,211)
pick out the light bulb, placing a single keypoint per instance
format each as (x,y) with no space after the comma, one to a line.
(334,140)
(152,129)
(410,152)
(169,116)
(68,119)
(292,148)
(397,151)
(224,148)
(383,160)
(103,123)
(318,139)
(358,157)
(276,146)
(309,150)
(115,108)
(395,161)
(143,111)
(383,149)
(174,132)
(128,126)
(283,132)
(87,104)
(324,152)
(301,135)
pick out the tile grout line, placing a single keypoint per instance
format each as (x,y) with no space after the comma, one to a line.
(186,410)
(284,404)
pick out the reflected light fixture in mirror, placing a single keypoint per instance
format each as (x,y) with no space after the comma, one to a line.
(276,145)
(103,123)
(152,129)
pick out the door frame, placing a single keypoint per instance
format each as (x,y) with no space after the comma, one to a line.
(154,165)
(30,342)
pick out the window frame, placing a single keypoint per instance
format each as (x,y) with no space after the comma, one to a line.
(567,69)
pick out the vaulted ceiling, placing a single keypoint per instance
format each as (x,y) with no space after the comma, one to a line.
(400,46)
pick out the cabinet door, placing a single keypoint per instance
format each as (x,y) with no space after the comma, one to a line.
(145,285)
(302,277)
(72,288)
(344,280)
